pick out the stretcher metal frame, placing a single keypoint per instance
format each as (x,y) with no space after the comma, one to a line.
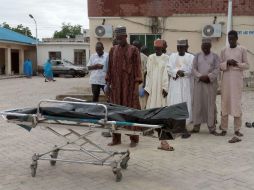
(117,160)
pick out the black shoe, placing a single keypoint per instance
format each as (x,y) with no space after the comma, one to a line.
(195,131)
(247,124)
(214,133)
(223,133)
(196,128)
(186,135)
(237,133)
(252,124)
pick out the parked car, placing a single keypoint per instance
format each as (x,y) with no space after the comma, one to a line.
(64,67)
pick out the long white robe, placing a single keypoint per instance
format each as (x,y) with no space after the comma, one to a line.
(180,89)
(232,80)
(156,80)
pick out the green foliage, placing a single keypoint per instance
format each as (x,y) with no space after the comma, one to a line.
(20,29)
(68,31)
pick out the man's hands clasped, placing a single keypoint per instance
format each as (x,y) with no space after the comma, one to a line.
(232,62)
(204,79)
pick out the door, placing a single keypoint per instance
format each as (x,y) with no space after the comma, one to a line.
(146,39)
(15,62)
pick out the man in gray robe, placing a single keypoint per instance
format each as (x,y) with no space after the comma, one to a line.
(206,67)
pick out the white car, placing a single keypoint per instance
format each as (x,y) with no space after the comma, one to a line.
(64,67)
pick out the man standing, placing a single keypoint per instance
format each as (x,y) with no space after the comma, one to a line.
(206,67)
(123,77)
(179,69)
(164,49)
(233,62)
(143,57)
(97,76)
(48,72)
(157,82)
(157,78)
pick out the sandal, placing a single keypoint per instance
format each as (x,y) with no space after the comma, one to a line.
(223,133)
(234,140)
(165,146)
(170,148)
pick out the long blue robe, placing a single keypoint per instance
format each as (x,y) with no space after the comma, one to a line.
(28,70)
(48,73)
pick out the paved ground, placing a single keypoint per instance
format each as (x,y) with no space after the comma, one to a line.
(200,162)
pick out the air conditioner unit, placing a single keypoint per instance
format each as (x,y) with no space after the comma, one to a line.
(104,31)
(212,31)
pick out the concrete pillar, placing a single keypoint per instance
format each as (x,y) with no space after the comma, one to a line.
(87,55)
(8,61)
(21,61)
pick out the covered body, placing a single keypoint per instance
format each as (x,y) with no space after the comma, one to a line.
(172,119)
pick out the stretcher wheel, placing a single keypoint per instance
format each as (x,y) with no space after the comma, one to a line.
(118,174)
(124,163)
(52,162)
(33,169)
(33,166)
(54,154)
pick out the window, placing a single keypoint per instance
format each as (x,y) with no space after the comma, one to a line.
(54,55)
(80,57)
(145,39)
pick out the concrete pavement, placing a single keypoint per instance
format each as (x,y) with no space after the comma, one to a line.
(200,162)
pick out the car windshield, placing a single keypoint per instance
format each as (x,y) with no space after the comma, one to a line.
(66,62)
(56,62)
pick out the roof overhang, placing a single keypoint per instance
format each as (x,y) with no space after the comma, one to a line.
(18,43)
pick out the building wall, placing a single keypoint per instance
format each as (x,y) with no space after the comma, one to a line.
(25,52)
(176,27)
(165,8)
(67,51)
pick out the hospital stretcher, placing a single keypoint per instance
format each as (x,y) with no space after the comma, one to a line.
(55,115)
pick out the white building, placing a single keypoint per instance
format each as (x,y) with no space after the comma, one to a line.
(74,50)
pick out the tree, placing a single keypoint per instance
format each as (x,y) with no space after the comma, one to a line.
(68,31)
(20,29)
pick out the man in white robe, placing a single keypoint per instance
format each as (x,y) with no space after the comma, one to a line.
(233,63)
(179,69)
(157,83)
(157,78)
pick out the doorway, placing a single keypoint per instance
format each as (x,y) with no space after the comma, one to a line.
(15,61)
(2,61)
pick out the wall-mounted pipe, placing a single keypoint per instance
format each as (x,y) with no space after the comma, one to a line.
(230,19)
